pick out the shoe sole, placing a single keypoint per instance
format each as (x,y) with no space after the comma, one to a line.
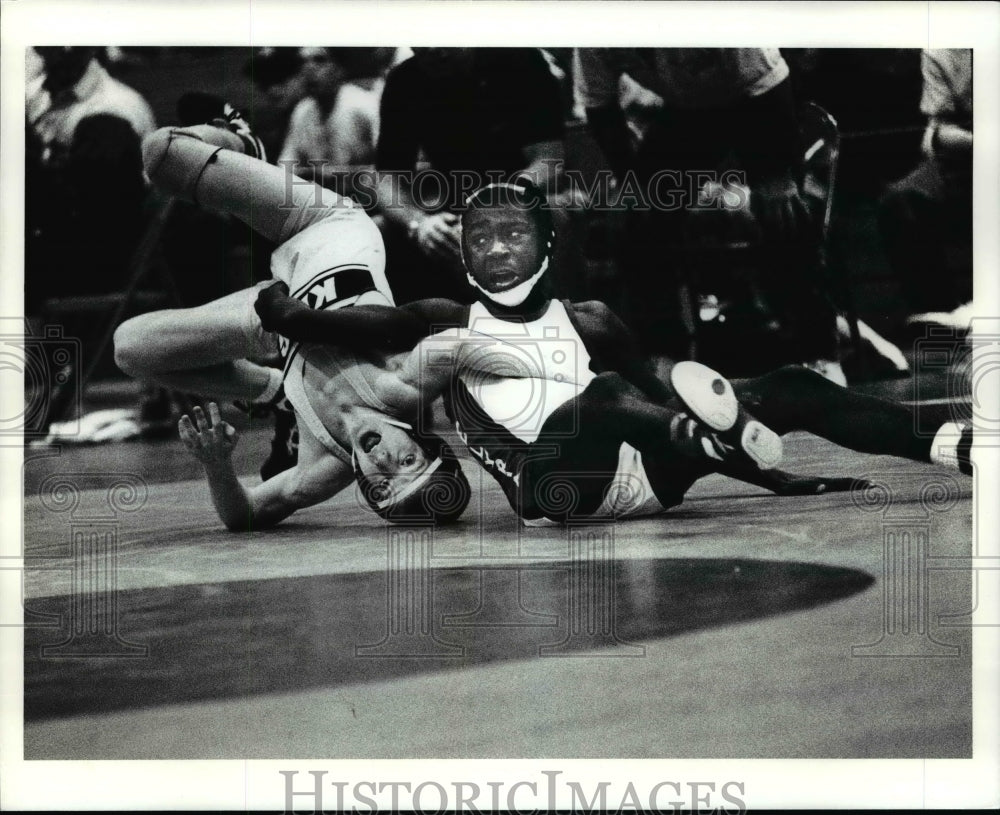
(706,394)
(761,444)
(709,397)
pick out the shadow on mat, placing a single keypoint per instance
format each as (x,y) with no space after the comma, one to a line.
(229,640)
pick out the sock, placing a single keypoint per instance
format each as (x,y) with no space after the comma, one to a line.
(952,447)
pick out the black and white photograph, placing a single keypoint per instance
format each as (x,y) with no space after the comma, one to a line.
(499,406)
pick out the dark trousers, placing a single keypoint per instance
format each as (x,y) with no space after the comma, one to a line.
(669,242)
(926,223)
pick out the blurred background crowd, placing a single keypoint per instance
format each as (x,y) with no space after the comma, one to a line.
(820,199)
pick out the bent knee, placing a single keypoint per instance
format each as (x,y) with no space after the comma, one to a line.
(608,387)
(795,376)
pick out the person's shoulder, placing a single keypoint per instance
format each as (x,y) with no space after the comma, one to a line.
(353,97)
(403,74)
(304,108)
(117,88)
(123,100)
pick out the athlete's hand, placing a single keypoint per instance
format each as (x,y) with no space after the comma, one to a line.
(210,439)
(789,484)
(778,205)
(275,307)
(439,236)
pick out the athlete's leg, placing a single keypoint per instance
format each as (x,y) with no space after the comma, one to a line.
(579,444)
(201,350)
(795,398)
(205,164)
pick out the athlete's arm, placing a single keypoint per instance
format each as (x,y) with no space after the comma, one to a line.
(789,484)
(316,477)
(616,349)
(362,327)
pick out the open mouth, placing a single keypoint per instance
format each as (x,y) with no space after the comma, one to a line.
(504,279)
(369,440)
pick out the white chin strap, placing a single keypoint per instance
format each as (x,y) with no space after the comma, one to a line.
(518,294)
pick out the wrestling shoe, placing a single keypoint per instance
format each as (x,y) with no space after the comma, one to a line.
(952,446)
(709,398)
(197,107)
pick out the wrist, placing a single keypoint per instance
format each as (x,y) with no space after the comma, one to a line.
(413,227)
(219,469)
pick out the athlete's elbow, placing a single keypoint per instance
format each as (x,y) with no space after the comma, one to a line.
(237,524)
(248,521)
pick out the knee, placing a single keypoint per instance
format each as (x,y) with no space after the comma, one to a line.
(131,338)
(795,377)
(607,388)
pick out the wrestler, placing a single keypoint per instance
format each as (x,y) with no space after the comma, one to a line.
(331,257)
(555,401)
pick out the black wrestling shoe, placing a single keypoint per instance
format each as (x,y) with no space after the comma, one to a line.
(284,446)
(207,108)
(709,398)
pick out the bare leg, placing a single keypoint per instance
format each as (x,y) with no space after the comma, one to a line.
(205,165)
(202,350)
(205,349)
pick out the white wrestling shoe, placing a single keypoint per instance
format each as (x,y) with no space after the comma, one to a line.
(709,398)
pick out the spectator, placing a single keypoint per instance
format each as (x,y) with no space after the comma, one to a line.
(335,128)
(84,130)
(277,74)
(926,217)
(75,85)
(724,109)
(470,112)
(85,194)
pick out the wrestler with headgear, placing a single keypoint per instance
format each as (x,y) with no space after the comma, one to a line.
(330,256)
(556,402)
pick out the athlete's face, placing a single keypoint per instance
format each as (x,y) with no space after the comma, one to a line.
(388,456)
(503,247)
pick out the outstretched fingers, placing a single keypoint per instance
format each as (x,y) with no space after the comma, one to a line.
(207,437)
